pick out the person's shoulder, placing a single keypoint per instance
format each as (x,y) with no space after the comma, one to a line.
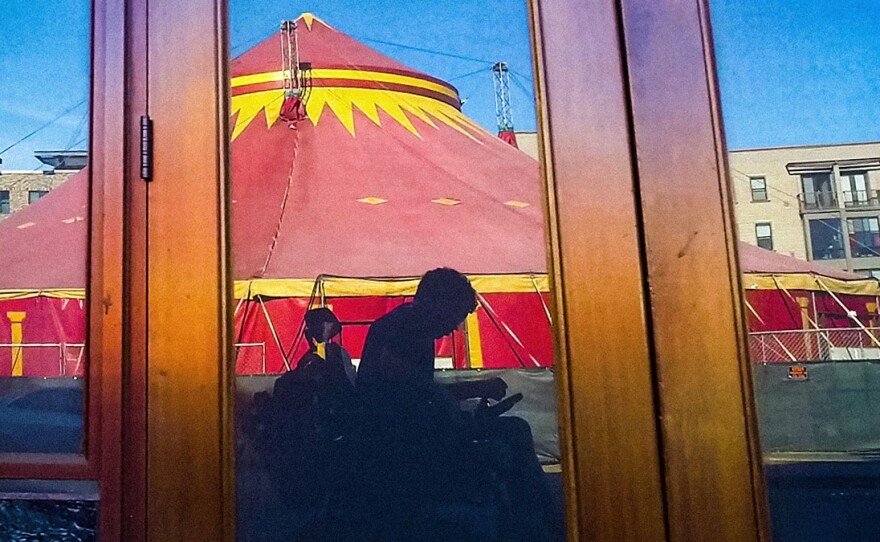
(394,318)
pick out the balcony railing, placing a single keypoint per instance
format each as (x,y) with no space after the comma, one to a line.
(828,253)
(861,198)
(817,201)
(850,344)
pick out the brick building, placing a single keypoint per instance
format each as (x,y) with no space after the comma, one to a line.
(18,189)
(812,202)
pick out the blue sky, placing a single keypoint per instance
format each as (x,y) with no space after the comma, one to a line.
(483,30)
(791,72)
(796,72)
(44,68)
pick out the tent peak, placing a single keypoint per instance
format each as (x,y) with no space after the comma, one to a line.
(310,18)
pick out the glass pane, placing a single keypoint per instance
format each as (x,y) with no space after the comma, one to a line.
(813,306)
(60,511)
(44,128)
(826,239)
(395,367)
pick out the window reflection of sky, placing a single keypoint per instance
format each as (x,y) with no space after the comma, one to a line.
(788,71)
(44,62)
(452,40)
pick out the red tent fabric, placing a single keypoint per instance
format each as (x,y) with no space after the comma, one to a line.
(757,260)
(42,283)
(378,175)
(786,293)
(384,178)
(370,172)
(45,245)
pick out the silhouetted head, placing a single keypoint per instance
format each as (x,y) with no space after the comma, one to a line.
(443,299)
(321,325)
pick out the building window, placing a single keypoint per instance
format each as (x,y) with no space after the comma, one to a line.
(34,195)
(819,191)
(873,273)
(856,190)
(759,188)
(764,233)
(4,202)
(864,237)
(826,239)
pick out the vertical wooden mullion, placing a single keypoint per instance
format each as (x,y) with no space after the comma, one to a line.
(134,419)
(607,399)
(107,297)
(188,287)
(710,453)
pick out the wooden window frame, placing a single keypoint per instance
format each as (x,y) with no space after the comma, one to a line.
(102,459)
(658,428)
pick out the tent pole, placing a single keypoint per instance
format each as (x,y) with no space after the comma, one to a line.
(848,312)
(490,310)
(274,333)
(541,297)
(753,311)
(812,322)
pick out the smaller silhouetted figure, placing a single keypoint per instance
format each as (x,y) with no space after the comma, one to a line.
(311,408)
(325,360)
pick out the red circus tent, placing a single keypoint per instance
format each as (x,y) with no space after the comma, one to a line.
(42,284)
(374,179)
(346,199)
(343,198)
(786,293)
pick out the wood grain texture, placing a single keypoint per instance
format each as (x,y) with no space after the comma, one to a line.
(107,291)
(597,274)
(711,466)
(134,420)
(101,459)
(189,290)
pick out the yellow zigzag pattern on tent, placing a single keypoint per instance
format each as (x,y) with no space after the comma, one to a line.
(400,106)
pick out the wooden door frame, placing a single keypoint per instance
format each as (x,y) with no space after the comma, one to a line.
(106,293)
(185,334)
(710,450)
(641,461)
(606,406)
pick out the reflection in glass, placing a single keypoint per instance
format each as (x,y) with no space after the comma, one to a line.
(44,128)
(60,511)
(378,399)
(812,306)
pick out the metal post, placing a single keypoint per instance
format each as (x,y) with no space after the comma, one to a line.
(841,209)
(763,350)
(501,82)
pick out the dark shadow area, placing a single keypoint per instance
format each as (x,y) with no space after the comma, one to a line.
(58,521)
(282,491)
(41,415)
(825,501)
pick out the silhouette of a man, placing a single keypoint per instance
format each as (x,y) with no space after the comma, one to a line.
(422,442)
(399,351)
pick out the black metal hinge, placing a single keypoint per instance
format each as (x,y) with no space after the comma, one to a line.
(146,148)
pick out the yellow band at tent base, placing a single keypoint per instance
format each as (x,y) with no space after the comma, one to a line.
(809,282)
(54,293)
(485,284)
(380,287)
(328,286)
